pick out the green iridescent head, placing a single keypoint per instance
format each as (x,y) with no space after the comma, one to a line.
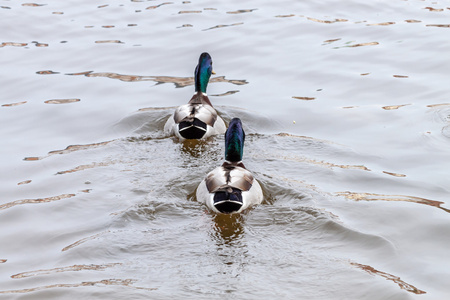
(203,72)
(234,141)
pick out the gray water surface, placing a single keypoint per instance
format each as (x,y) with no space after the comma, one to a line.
(346,107)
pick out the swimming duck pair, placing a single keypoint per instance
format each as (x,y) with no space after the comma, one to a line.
(230,188)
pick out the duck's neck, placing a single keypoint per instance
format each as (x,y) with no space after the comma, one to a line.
(234,143)
(202,74)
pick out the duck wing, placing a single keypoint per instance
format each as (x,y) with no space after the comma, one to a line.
(224,178)
(188,112)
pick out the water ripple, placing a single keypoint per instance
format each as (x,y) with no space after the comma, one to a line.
(402,284)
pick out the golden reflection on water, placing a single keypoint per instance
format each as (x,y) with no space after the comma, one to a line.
(227,229)
(46,72)
(24,182)
(222,26)
(391,107)
(99,283)
(439,25)
(85,167)
(439,104)
(37,44)
(69,149)
(32,4)
(403,285)
(178,81)
(304,98)
(241,11)
(195,148)
(284,16)
(61,101)
(13,44)
(314,162)
(73,148)
(381,24)
(109,42)
(349,45)
(37,200)
(226,93)
(73,268)
(381,197)
(284,134)
(364,44)
(326,21)
(156,6)
(14,104)
(190,12)
(299,182)
(434,9)
(332,40)
(83,240)
(394,174)
(156,108)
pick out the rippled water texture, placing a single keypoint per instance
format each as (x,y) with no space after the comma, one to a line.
(346,106)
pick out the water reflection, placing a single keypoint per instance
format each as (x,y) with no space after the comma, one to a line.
(109,41)
(85,167)
(104,282)
(61,101)
(222,26)
(403,285)
(284,16)
(190,12)
(196,148)
(241,11)
(69,149)
(24,182)
(391,107)
(439,25)
(226,93)
(381,24)
(33,4)
(156,6)
(229,251)
(65,269)
(327,21)
(178,81)
(13,44)
(46,72)
(434,9)
(380,197)
(227,229)
(14,104)
(37,200)
(84,240)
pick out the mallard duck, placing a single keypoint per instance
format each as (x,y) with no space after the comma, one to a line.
(197,119)
(230,188)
